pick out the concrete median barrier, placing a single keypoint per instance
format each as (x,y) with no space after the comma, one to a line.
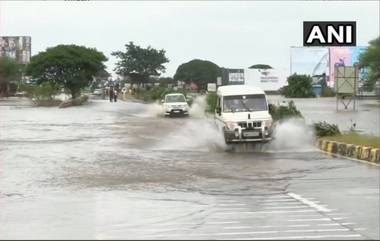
(366,153)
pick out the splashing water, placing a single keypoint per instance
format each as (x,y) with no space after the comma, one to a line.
(197,134)
(198,107)
(293,135)
(151,110)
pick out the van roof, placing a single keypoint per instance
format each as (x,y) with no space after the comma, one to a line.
(239,90)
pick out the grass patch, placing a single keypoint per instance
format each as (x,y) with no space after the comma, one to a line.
(356,139)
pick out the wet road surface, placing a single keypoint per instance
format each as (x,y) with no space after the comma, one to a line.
(120,171)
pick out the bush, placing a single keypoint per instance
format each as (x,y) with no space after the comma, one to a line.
(211,102)
(323,128)
(158,93)
(280,113)
(74,102)
(43,94)
(327,92)
(299,86)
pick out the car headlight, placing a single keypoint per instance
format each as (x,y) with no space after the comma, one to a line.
(231,125)
(268,123)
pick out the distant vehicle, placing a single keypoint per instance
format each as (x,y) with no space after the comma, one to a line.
(242,114)
(175,104)
(98,92)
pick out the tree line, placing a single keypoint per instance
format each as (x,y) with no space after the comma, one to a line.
(73,68)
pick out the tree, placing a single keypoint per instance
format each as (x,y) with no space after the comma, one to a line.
(260,66)
(198,71)
(299,86)
(371,59)
(68,66)
(10,71)
(140,63)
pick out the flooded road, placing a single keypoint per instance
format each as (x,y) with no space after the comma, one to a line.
(121,171)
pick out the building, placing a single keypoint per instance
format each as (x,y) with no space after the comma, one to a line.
(16,47)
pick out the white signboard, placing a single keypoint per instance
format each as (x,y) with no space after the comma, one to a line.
(267,79)
(236,77)
(211,87)
(219,81)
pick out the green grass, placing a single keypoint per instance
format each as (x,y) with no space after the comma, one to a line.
(357,139)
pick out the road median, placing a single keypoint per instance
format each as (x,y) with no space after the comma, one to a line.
(361,152)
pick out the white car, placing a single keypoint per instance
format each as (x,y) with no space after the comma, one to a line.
(98,92)
(175,104)
(242,114)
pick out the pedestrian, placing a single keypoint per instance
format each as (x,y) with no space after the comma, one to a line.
(111,93)
(115,95)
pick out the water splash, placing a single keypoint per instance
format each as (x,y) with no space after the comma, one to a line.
(197,134)
(292,135)
(197,109)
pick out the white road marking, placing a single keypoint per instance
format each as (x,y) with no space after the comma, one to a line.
(281,200)
(315,219)
(309,203)
(284,203)
(288,207)
(348,223)
(304,237)
(227,222)
(232,204)
(303,225)
(231,209)
(268,212)
(317,230)
(255,232)
(266,197)
(238,227)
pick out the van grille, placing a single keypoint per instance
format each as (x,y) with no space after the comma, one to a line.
(250,125)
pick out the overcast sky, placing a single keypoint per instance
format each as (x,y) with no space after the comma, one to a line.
(232,34)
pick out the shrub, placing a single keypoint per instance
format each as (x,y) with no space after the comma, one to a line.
(323,128)
(299,86)
(280,113)
(211,102)
(43,94)
(327,92)
(158,93)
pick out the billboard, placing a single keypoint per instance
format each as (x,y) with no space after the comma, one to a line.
(16,47)
(267,79)
(237,77)
(345,56)
(309,60)
(316,61)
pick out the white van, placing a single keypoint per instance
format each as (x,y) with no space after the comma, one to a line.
(242,114)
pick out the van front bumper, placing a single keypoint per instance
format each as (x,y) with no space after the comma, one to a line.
(239,135)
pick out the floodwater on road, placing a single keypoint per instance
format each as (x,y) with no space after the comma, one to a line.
(366,117)
(122,171)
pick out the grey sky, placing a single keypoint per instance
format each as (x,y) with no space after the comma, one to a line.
(232,34)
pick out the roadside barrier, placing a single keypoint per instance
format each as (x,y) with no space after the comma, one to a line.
(365,153)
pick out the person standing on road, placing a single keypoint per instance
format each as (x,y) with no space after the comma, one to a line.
(115,95)
(111,93)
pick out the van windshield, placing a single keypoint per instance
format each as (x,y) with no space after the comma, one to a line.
(244,103)
(175,98)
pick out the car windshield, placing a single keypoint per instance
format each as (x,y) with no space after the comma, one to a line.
(244,103)
(175,98)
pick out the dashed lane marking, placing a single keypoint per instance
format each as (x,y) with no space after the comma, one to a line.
(305,237)
(308,202)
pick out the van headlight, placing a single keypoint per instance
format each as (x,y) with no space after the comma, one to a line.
(268,123)
(231,125)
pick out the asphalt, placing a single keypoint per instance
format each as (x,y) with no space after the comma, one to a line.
(122,171)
